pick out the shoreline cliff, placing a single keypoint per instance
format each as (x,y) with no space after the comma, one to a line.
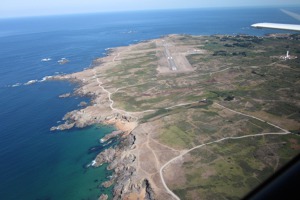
(100,111)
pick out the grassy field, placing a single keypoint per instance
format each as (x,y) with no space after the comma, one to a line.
(189,126)
(252,73)
(231,169)
(243,73)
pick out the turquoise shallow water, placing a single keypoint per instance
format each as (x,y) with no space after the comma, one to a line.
(39,164)
(62,173)
(69,172)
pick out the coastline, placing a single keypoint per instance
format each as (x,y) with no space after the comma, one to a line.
(101,111)
(262,86)
(141,162)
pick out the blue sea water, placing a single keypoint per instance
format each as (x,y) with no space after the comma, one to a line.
(39,164)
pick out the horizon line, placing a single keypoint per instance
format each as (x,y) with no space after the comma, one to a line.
(145,10)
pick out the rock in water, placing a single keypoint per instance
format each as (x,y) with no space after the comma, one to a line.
(103,197)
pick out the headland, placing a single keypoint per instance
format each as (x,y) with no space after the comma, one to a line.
(206,116)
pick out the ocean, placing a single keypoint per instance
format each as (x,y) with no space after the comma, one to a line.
(39,164)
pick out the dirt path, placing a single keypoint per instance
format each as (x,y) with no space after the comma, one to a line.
(108,94)
(182,153)
(217,141)
(181,104)
(286,131)
(112,102)
(114,59)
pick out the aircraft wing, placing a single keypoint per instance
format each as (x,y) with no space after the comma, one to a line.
(291,27)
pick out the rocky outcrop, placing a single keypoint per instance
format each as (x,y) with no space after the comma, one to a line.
(82,104)
(62,127)
(107,156)
(107,184)
(64,95)
(124,177)
(123,184)
(103,197)
(129,142)
(111,135)
(149,190)
(121,158)
(91,115)
(79,119)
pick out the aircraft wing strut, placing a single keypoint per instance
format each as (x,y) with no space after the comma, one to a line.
(291,27)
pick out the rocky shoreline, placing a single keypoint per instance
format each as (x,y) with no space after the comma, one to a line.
(119,158)
(139,157)
(167,107)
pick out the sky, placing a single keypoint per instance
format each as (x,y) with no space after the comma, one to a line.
(18,8)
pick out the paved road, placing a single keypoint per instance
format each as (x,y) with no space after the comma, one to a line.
(170,59)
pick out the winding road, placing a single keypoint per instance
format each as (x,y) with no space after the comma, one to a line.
(217,141)
(112,102)
(196,147)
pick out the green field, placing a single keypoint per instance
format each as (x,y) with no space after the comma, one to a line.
(231,169)
(242,73)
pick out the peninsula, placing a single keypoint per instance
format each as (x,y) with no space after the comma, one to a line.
(198,116)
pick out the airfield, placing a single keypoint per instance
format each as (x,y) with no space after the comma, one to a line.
(211,116)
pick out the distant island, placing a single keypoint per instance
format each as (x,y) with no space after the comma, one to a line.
(198,116)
